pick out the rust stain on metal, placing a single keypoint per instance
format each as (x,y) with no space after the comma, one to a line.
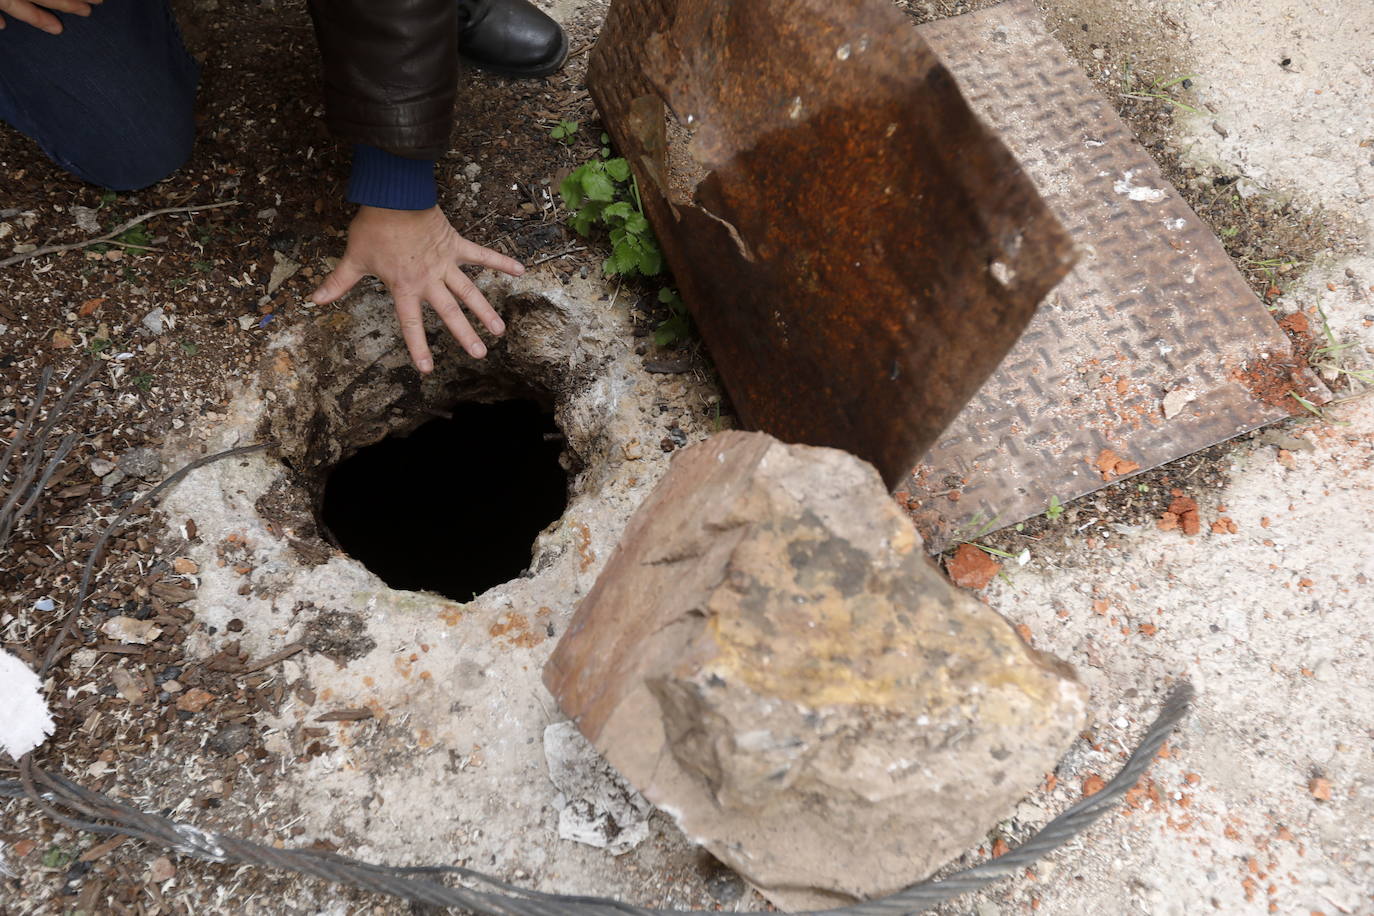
(858,249)
(1152,348)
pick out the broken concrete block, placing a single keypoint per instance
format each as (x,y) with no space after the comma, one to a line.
(770,658)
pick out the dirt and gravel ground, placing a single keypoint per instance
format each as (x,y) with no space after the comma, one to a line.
(1263,804)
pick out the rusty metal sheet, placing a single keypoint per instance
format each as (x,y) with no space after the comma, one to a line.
(1153,306)
(858,249)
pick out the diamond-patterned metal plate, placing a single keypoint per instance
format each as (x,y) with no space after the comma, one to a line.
(1154,307)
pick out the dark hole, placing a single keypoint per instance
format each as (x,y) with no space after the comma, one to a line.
(453,507)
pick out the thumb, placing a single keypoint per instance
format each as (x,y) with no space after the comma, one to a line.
(343,278)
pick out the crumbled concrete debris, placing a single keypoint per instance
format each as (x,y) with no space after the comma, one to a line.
(598,807)
(766,648)
(1177,399)
(131,631)
(282,270)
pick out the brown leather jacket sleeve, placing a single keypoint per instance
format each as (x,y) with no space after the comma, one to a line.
(390,72)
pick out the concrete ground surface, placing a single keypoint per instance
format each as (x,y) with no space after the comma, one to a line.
(1264,800)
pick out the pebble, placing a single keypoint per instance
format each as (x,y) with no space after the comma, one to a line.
(153,321)
(231,739)
(100,467)
(44,605)
(140,462)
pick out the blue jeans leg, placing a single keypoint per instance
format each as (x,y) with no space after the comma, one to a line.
(111,99)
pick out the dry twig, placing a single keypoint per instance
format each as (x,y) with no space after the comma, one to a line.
(109,237)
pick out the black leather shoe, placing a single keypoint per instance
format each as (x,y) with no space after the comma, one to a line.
(510,37)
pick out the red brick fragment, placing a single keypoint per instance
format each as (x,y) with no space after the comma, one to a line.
(971,567)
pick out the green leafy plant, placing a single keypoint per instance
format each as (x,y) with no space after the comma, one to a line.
(57,857)
(678,325)
(605,145)
(143,381)
(137,237)
(602,195)
(1055,510)
(564,131)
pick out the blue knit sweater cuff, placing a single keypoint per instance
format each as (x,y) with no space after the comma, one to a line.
(382,179)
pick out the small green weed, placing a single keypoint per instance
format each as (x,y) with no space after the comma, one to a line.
(677,326)
(136,237)
(602,194)
(1332,358)
(1055,509)
(143,381)
(57,857)
(99,345)
(565,131)
(190,347)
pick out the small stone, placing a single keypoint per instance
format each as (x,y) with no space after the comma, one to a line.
(131,631)
(100,467)
(971,567)
(231,739)
(172,686)
(1320,787)
(194,700)
(61,340)
(140,462)
(472,170)
(153,322)
(161,870)
(1176,400)
(1093,784)
(185,566)
(725,886)
(44,605)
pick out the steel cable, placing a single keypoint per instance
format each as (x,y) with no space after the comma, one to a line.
(103,814)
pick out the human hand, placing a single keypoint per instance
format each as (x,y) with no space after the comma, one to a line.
(416,253)
(33,12)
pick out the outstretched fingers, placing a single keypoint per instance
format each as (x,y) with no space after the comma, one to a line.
(443,302)
(413,332)
(471,253)
(460,285)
